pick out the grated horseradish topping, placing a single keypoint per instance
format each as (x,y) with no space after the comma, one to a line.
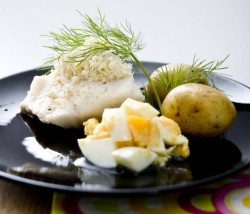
(103,67)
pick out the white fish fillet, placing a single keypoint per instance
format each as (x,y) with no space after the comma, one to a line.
(69,104)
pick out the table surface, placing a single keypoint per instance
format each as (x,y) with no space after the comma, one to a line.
(174,31)
(16,198)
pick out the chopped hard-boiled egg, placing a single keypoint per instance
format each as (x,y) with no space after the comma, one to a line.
(134,158)
(132,136)
(144,110)
(156,141)
(90,126)
(99,151)
(115,120)
(140,130)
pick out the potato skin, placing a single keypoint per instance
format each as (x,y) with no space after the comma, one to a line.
(200,110)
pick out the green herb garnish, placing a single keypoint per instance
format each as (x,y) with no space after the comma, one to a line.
(121,40)
(197,72)
(168,77)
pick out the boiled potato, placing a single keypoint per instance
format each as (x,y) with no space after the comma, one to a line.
(169,76)
(200,110)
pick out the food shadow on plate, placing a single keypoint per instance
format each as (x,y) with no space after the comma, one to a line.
(54,137)
(61,145)
(213,156)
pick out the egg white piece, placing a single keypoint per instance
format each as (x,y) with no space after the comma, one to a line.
(134,107)
(116,123)
(69,103)
(98,151)
(134,158)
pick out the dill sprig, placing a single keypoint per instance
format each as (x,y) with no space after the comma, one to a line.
(208,68)
(120,40)
(198,70)
(168,78)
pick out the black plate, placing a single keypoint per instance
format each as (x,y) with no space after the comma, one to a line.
(47,156)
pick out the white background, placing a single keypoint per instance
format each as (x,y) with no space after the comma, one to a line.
(174,31)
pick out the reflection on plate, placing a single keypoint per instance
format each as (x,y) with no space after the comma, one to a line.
(48,156)
(235,91)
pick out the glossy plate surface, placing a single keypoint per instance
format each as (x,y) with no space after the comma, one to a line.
(47,156)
